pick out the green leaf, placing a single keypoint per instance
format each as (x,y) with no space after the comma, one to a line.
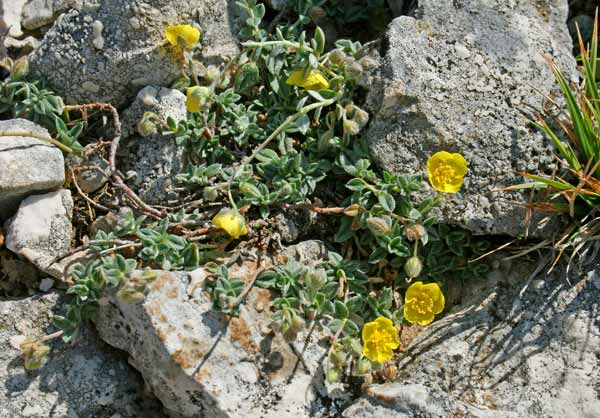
(386,201)
(341,311)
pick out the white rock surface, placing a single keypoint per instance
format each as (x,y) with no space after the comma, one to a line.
(460,77)
(27,165)
(41,229)
(10,17)
(155,159)
(86,379)
(106,50)
(201,363)
(510,350)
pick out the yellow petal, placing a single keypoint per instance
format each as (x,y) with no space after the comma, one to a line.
(413,291)
(231,221)
(368,330)
(437,296)
(313,80)
(413,316)
(193,100)
(446,171)
(188,35)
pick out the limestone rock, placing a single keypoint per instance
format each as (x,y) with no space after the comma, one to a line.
(10,17)
(201,363)
(41,229)
(27,165)
(518,346)
(86,379)
(90,180)
(460,77)
(155,159)
(108,49)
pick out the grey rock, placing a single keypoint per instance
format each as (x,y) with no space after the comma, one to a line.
(41,229)
(199,362)
(510,349)
(10,17)
(23,45)
(38,13)
(156,159)
(86,379)
(460,78)
(107,50)
(89,179)
(27,165)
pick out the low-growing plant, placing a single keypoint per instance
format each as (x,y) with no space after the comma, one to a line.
(280,127)
(574,187)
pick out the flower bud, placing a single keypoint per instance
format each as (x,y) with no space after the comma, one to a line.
(354,69)
(333,375)
(361,117)
(210,194)
(337,57)
(350,127)
(363,366)
(34,353)
(415,232)
(1,238)
(146,127)
(389,372)
(379,225)
(413,267)
(315,279)
(352,210)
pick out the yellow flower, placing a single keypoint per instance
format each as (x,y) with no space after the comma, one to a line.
(446,171)
(314,80)
(231,221)
(380,339)
(197,96)
(423,302)
(184,35)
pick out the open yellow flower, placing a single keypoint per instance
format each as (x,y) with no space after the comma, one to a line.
(197,97)
(313,80)
(231,221)
(380,339)
(446,171)
(423,302)
(186,36)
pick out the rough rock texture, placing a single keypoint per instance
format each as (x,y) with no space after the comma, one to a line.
(107,50)
(155,159)
(460,78)
(89,180)
(10,17)
(27,165)
(87,379)
(41,229)
(202,364)
(38,13)
(521,345)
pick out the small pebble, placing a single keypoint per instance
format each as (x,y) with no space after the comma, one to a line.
(46,284)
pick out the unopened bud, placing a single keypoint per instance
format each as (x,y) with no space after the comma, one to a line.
(146,127)
(413,267)
(351,127)
(354,69)
(361,117)
(352,210)
(130,295)
(210,194)
(337,57)
(315,279)
(363,366)
(379,225)
(415,232)
(389,372)
(333,375)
